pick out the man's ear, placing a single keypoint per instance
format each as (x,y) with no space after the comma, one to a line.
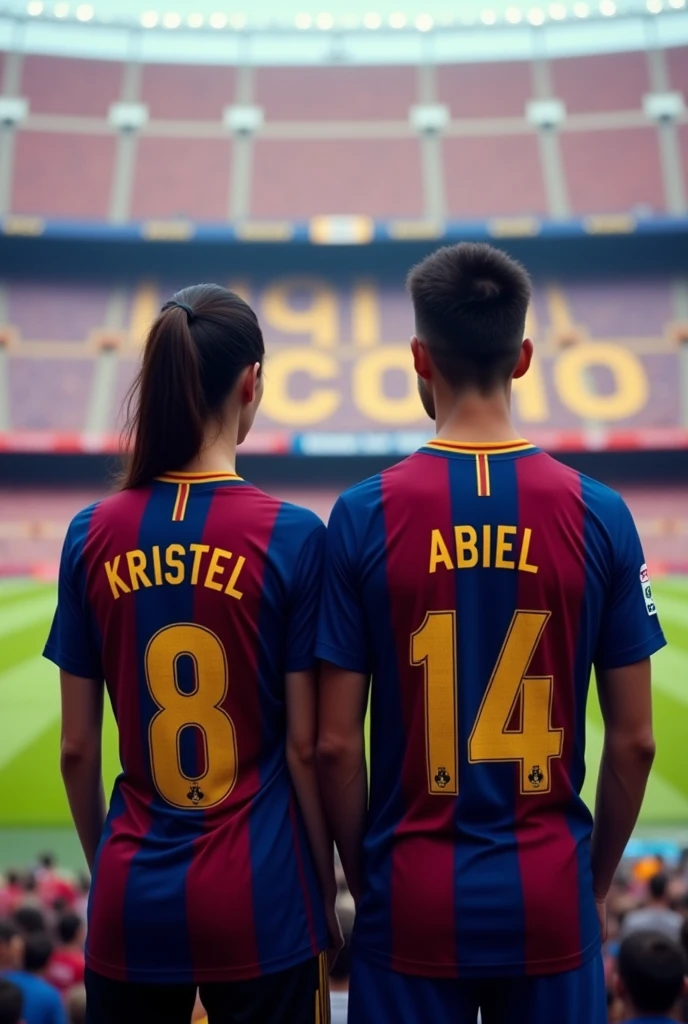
(524,359)
(421,359)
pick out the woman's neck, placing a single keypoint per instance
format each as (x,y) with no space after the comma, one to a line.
(218,451)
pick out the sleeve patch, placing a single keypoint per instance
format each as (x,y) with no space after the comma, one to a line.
(650,605)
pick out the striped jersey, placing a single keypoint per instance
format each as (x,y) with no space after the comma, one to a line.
(478,585)
(192,598)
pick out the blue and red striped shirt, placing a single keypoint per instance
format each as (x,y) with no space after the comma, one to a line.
(192,598)
(478,585)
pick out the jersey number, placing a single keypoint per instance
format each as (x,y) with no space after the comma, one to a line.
(514,722)
(199,709)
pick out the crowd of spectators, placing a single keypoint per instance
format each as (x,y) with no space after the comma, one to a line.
(42,934)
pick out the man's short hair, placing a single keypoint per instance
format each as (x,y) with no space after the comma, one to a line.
(470,302)
(37,952)
(11,1003)
(652,969)
(8,930)
(68,927)
(30,920)
(658,886)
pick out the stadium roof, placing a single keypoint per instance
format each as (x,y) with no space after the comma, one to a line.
(358,31)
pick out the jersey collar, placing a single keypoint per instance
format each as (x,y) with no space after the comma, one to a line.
(196,478)
(480,448)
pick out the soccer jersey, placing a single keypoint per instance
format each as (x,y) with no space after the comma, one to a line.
(192,598)
(478,584)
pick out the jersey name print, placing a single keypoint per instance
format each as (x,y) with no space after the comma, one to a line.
(193,610)
(479,617)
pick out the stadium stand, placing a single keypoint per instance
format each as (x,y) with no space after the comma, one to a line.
(33,523)
(339,140)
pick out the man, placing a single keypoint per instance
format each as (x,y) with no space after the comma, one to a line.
(11,947)
(66,967)
(42,1004)
(657,915)
(651,978)
(11,1002)
(477,582)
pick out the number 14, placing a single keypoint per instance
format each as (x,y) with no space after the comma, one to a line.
(531,743)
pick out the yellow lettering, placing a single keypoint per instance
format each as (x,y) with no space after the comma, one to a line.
(233,579)
(487,545)
(117,584)
(318,320)
(466,541)
(216,569)
(368,390)
(365,315)
(157,567)
(504,546)
(136,560)
(175,563)
(573,382)
(198,551)
(523,563)
(318,405)
(439,552)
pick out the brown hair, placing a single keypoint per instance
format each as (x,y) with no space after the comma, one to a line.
(201,341)
(470,302)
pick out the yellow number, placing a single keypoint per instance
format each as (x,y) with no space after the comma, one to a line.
(200,708)
(532,742)
(433,646)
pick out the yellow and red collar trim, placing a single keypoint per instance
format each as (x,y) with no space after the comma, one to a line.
(197,478)
(486,448)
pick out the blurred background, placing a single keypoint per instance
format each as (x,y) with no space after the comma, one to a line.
(307,155)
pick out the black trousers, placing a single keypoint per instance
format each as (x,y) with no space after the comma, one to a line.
(299,995)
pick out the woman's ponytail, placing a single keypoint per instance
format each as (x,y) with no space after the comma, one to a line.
(193,356)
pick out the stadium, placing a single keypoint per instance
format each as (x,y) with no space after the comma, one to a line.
(306,156)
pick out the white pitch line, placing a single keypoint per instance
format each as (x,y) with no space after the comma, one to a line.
(30,697)
(14,617)
(663,801)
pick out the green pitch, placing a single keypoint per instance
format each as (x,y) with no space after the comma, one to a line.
(31,791)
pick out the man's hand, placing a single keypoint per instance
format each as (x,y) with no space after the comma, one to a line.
(335,937)
(601,905)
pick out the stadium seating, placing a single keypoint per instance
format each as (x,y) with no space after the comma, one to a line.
(33,523)
(338,140)
(626,331)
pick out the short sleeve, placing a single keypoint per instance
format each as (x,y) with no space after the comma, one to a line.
(342,632)
(630,629)
(304,602)
(72,642)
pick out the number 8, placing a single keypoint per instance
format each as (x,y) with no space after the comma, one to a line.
(200,708)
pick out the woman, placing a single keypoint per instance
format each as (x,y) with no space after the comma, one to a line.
(192,595)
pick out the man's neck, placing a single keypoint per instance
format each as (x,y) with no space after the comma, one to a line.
(475,418)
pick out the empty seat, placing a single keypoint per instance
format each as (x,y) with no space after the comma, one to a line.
(621,309)
(610,81)
(677,62)
(489,176)
(682,130)
(49,394)
(293,179)
(186,92)
(47,311)
(59,174)
(485,90)
(182,178)
(336,94)
(614,171)
(57,85)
